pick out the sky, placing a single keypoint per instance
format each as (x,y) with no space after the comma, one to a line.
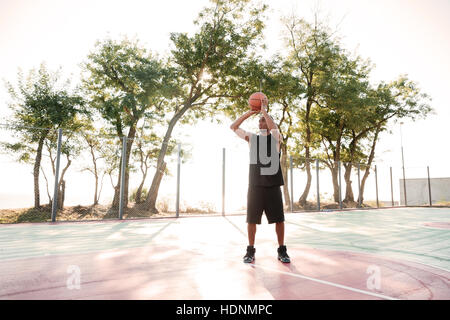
(399,36)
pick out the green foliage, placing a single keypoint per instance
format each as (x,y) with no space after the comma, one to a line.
(217,55)
(41,104)
(132,197)
(345,109)
(42,101)
(125,83)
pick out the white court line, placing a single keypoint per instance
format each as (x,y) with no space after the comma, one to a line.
(252,265)
(326,282)
(322,281)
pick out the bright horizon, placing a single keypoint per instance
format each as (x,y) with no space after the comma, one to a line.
(400,37)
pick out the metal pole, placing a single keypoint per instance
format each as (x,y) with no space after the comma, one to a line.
(178,181)
(122,176)
(318,188)
(429,185)
(392,188)
(376,185)
(404,179)
(292,184)
(55,191)
(340,192)
(359,185)
(403,165)
(223,182)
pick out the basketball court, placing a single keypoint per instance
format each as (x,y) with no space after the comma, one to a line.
(401,253)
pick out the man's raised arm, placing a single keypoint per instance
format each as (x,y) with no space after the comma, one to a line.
(273,128)
(235,125)
(270,123)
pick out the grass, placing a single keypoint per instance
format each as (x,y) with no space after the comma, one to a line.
(98,212)
(43,214)
(312,205)
(25,215)
(102,212)
(442,203)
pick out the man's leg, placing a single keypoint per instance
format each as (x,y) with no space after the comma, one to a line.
(279,228)
(251,231)
(250,255)
(282,251)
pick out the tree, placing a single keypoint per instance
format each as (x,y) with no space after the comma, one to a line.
(228,30)
(146,153)
(125,84)
(399,99)
(71,147)
(342,116)
(310,50)
(41,104)
(99,146)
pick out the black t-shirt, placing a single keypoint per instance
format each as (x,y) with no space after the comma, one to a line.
(260,174)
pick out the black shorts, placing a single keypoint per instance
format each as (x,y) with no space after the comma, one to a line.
(267,199)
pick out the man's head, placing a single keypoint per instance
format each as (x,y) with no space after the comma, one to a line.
(263,123)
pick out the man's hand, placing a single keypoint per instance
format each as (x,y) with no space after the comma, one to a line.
(270,123)
(235,125)
(264,104)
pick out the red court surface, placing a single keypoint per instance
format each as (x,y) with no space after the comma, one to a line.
(440,225)
(201,258)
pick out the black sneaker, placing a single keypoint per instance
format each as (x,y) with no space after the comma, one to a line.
(250,255)
(282,255)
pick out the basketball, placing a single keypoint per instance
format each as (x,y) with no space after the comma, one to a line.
(255,100)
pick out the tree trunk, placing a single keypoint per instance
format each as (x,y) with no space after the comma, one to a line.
(335,180)
(150,202)
(62,185)
(96,189)
(61,195)
(36,170)
(101,187)
(349,197)
(369,163)
(48,192)
(130,139)
(94,162)
(333,165)
(304,196)
(363,183)
(285,171)
(152,196)
(141,186)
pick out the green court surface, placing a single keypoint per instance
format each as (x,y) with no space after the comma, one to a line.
(399,233)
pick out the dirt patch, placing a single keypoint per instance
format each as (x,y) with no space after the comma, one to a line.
(312,206)
(75,213)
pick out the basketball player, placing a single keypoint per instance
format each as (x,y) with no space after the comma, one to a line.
(264,192)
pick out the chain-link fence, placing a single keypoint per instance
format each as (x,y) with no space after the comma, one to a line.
(85,173)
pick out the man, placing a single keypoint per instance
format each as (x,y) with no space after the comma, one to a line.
(265,179)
